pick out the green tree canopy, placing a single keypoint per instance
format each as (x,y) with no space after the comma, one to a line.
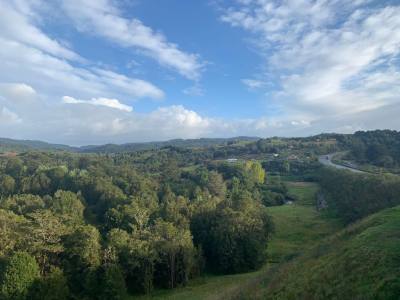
(67,204)
(20,273)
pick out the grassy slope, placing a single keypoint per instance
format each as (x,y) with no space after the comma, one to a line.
(207,287)
(360,262)
(297,227)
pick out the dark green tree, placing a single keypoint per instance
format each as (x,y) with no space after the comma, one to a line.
(53,286)
(7,185)
(20,273)
(111,283)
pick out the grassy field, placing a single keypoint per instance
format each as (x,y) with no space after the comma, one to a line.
(206,288)
(304,192)
(297,228)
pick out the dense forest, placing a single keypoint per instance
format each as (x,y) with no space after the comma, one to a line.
(381,148)
(98,227)
(352,196)
(122,224)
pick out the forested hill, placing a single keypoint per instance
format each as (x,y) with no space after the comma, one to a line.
(188,143)
(380,148)
(11,145)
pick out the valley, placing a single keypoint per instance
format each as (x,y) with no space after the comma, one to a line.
(270,219)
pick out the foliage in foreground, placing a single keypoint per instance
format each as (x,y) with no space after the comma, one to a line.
(103,227)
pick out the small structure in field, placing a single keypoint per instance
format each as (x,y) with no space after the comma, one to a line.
(232,160)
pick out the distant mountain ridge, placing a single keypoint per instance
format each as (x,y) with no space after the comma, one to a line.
(12,145)
(184,143)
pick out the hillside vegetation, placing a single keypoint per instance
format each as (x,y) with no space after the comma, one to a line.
(297,228)
(360,262)
(105,227)
(234,220)
(351,196)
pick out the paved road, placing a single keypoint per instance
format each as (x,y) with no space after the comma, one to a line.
(327,161)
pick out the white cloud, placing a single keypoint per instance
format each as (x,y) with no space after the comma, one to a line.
(112,103)
(24,63)
(7,117)
(28,55)
(104,19)
(253,83)
(18,90)
(328,58)
(20,98)
(137,87)
(177,114)
(16,25)
(98,120)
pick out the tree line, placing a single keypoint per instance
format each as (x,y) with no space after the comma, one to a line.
(351,196)
(379,147)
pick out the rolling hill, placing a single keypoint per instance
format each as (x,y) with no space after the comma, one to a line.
(12,145)
(360,262)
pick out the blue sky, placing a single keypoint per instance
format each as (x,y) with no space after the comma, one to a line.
(84,72)
(196,28)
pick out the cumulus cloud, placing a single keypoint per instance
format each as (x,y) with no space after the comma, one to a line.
(77,121)
(329,58)
(112,103)
(103,18)
(99,120)
(177,114)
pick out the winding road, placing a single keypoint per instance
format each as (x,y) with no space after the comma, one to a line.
(327,161)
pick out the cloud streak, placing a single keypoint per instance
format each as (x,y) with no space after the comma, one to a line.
(104,19)
(28,55)
(112,103)
(328,58)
